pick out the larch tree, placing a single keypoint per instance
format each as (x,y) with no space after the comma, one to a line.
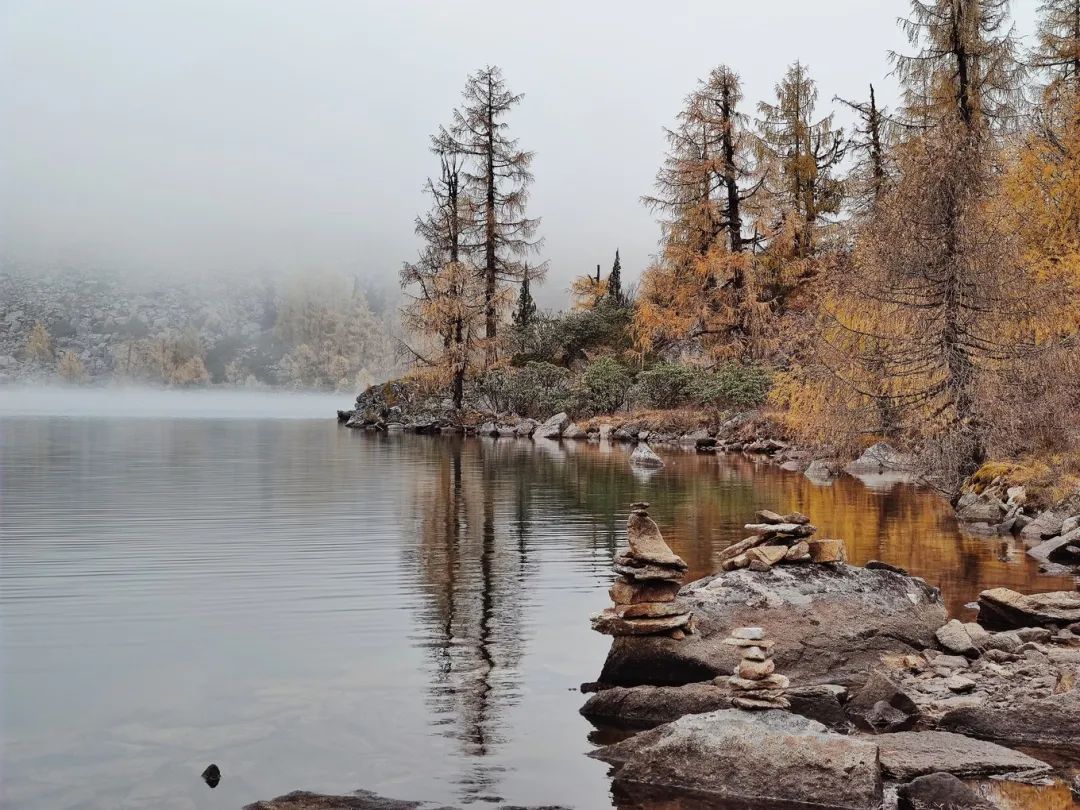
(698,295)
(496,176)
(447,295)
(801,154)
(1058,49)
(588,290)
(871,143)
(937,279)
(966,64)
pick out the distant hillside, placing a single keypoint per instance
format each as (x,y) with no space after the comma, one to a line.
(318,333)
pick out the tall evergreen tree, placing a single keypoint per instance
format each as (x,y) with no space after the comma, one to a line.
(614,280)
(525,312)
(497,176)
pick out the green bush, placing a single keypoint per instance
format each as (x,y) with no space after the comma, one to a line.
(668,385)
(536,389)
(734,385)
(603,387)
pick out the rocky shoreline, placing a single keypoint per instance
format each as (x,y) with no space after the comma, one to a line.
(1051,533)
(883,694)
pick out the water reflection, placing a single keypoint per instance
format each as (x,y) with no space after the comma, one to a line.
(312,607)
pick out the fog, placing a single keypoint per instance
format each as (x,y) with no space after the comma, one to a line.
(188,137)
(132,401)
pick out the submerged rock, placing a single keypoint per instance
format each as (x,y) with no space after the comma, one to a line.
(830,623)
(940,791)
(752,756)
(360,800)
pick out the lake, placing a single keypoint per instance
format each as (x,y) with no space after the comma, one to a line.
(235,578)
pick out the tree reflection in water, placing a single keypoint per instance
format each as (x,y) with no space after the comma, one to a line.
(485,511)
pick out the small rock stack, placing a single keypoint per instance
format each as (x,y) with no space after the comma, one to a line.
(755,682)
(650,575)
(780,539)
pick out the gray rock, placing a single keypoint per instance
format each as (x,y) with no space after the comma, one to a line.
(553,427)
(953,637)
(752,756)
(1057,549)
(881,705)
(822,470)
(1051,522)
(643,456)
(525,428)
(572,431)
(1002,608)
(877,458)
(907,754)
(939,791)
(1052,720)
(972,508)
(830,623)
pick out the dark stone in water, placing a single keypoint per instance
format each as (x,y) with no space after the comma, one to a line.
(212,775)
(360,800)
(939,790)
(878,565)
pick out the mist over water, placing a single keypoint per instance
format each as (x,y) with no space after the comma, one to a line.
(129,401)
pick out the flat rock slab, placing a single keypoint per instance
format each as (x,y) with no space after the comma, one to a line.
(907,754)
(829,623)
(613,624)
(1053,720)
(633,593)
(752,756)
(1004,609)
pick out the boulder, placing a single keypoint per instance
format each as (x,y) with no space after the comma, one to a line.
(881,705)
(525,428)
(1051,522)
(1057,549)
(572,431)
(1004,609)
(1051,720)
(643,456)
(939,791)
(876,458)
(822,470)
(553,427)
(972,508)
(830,624)
(826,550)
(954,637)
(907,754)
(752,756)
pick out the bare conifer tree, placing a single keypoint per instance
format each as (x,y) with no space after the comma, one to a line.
(871,142)
(497,176)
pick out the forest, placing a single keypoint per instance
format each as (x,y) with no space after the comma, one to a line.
(914,278)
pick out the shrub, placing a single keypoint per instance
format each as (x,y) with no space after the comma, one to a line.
(734,385)
(603,387)
(667,385)
(536,389)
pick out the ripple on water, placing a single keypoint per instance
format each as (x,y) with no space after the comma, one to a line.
(313,607)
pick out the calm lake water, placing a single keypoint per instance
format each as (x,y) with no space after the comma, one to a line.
(314,607)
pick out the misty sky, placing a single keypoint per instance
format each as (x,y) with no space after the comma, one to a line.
(195,136)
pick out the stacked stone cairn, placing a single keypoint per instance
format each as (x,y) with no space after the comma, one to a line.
(650,575)
(755,684)
(777,539)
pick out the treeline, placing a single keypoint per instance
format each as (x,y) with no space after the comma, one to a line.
(916,277)
(315,332)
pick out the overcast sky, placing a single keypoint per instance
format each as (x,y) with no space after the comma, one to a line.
(192,136)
